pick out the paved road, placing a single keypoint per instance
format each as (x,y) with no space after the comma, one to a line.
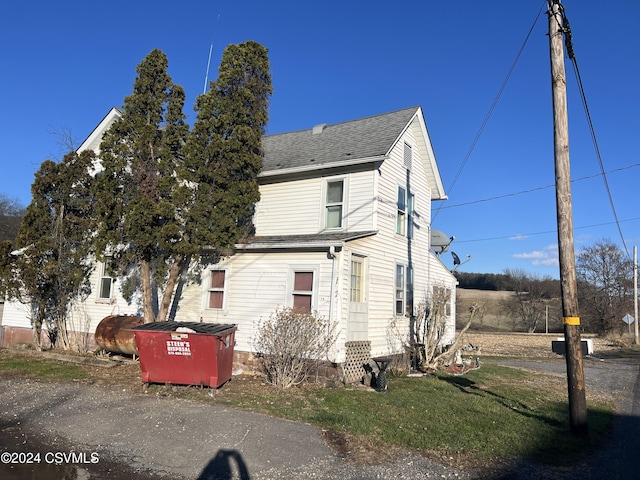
(151,437)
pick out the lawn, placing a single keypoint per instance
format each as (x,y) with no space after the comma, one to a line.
(488,415)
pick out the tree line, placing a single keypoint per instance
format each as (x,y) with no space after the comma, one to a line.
(157,195)
(605,289)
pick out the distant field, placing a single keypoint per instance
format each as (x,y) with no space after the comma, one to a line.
(491,315)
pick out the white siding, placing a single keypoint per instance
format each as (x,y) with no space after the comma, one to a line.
(386,249)
(83,316)
(258,283)
(296,207)
(290,207)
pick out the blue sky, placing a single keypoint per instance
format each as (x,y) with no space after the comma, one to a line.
(66,63)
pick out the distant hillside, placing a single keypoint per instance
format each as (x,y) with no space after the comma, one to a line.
(491,314)
(500,281)
(482,281)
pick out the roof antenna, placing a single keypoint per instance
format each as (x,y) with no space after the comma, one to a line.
(206,76)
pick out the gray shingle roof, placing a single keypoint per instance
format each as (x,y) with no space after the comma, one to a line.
(310,241)
(338,143)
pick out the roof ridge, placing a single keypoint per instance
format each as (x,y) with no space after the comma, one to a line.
(415,107)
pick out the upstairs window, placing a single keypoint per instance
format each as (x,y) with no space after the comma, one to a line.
(401,218)
(404,217)
(334,203)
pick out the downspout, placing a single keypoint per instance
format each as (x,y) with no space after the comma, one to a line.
(332,255)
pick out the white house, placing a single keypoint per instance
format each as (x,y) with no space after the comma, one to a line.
(343,227)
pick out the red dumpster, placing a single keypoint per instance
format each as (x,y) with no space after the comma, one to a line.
(185,353)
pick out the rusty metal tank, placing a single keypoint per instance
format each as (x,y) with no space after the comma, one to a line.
(114,334)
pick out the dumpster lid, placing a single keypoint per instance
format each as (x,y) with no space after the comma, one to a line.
(170,326)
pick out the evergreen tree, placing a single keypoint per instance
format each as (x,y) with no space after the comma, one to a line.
(49,269)
(165,193)
(138,219)
(224,152)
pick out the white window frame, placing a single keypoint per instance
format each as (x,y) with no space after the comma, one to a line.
(293,269)
(363,278)
(326,204)
(208,289)
(399,290)
(401,211)
(104,275)
(405,212)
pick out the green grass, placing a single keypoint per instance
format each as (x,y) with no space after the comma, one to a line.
(35,367)
(487,414)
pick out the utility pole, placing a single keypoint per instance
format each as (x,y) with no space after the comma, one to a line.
(635,293)
(571,318)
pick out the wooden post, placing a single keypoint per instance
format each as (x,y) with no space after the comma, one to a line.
(575,372)
(635,293)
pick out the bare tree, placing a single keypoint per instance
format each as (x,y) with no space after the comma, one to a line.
(528,306)
(427,344)
(11,213)
(605,286)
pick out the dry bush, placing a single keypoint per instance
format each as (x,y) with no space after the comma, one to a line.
(290,343)
(430,329)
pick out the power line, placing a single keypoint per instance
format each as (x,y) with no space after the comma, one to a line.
(491,108)
(571,54)
(535,189)
(515,236)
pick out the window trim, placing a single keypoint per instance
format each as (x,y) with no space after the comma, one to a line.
(326,204)
(401,211)
(208,288)
(303,268)
(399,268)
(104,275)
(405,216)
(362,260)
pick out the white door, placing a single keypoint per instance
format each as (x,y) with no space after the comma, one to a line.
(358,324)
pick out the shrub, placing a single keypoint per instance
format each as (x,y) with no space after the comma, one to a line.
(290,343)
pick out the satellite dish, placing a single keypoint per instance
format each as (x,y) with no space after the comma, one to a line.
(456,258)
(440,242)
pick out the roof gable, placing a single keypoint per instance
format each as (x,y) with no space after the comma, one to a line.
(92,142)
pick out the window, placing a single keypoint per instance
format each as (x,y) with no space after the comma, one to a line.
(302,290)
(105,283)
(216,292)
(410,211)
(357,280)
(404,219)
(334,203)
(401,219)
(400,289)
(409,291)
